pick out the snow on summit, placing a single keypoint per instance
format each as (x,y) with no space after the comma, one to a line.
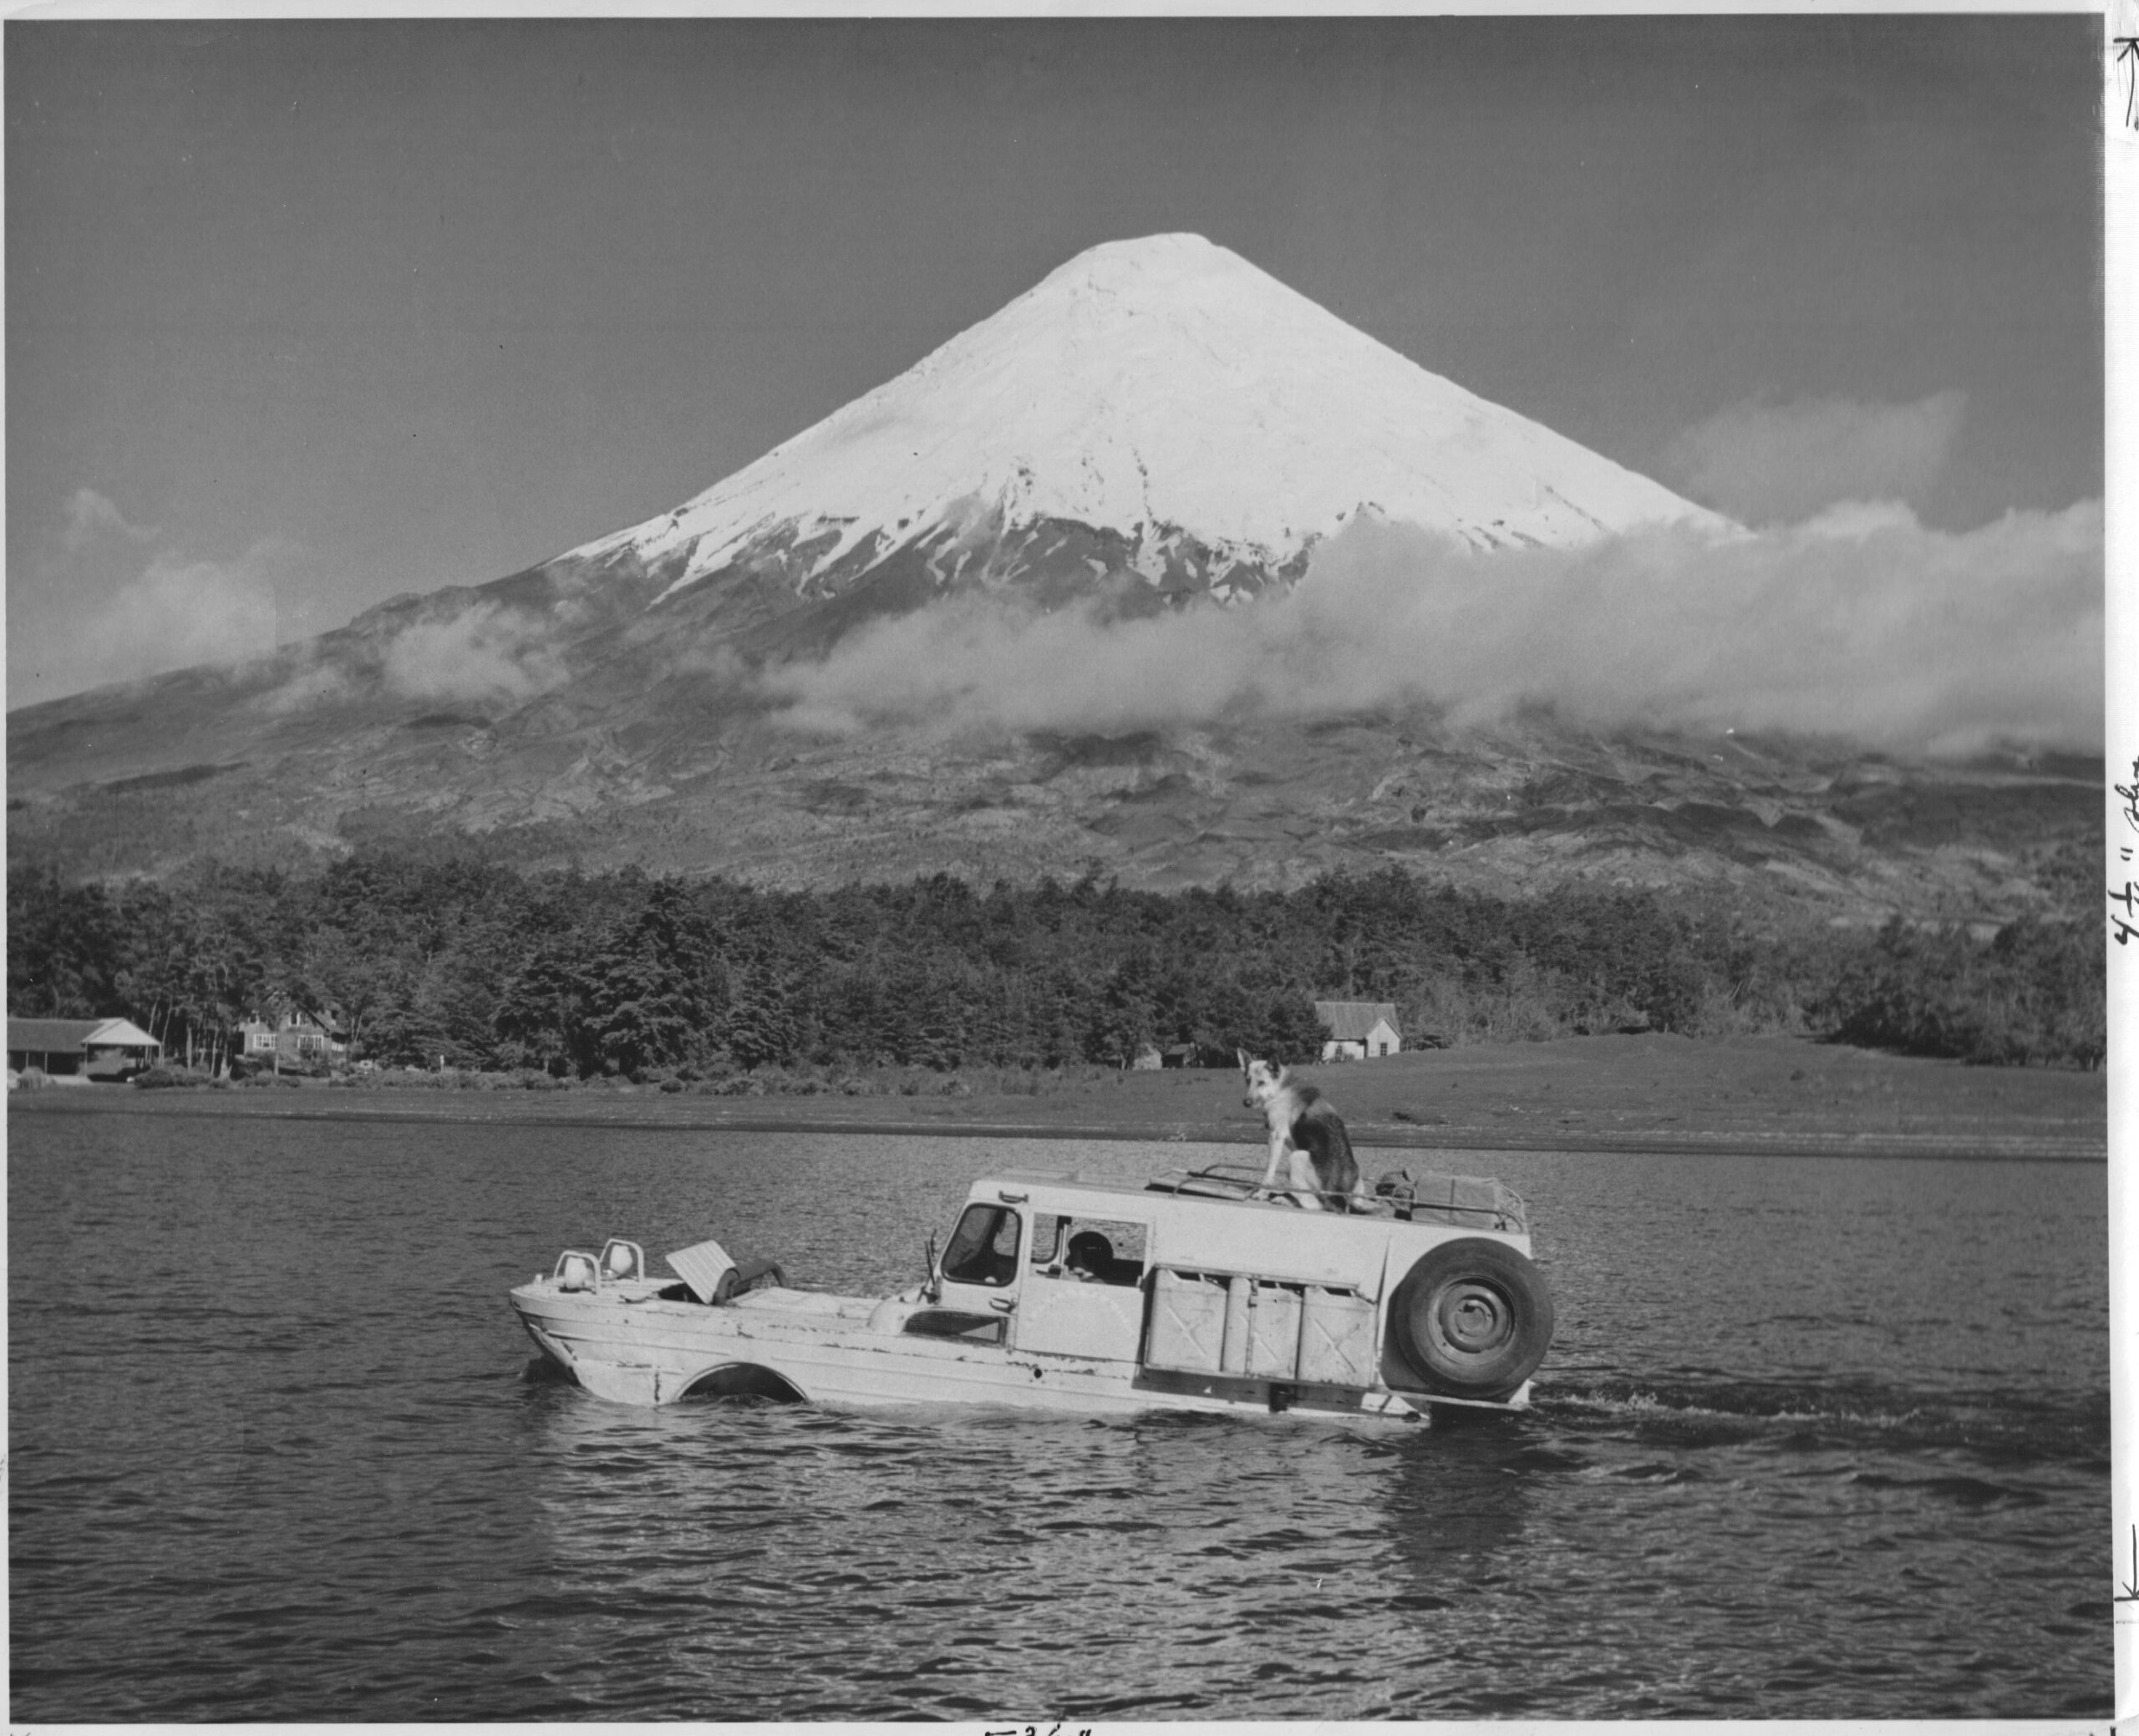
(1166,394)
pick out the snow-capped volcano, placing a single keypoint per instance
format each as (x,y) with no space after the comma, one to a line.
(1157,421)
(1158,408)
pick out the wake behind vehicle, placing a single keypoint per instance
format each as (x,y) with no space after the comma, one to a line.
(1197,1290)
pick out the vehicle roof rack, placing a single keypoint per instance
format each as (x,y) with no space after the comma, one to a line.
(1477,1202)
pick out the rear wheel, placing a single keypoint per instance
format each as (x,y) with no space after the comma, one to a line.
(1473,1319)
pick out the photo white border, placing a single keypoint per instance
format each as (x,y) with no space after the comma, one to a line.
(2120,637)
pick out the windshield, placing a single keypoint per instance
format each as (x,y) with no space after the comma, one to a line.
(983,1248)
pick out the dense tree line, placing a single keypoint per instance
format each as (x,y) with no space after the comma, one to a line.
(2035,992)
(424,958)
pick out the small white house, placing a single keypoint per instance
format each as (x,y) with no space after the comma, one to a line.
(1357,1029)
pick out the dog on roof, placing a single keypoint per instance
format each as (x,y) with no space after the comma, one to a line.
(1310,1153)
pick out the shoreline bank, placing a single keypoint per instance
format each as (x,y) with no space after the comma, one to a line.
(1778,1097)
(1779,1145)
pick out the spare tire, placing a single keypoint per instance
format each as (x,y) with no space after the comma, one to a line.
(1473,1319)
(749,1275)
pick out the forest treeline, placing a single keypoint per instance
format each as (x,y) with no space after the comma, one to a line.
(426,959)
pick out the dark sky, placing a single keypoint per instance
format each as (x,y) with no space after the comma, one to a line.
(323,311)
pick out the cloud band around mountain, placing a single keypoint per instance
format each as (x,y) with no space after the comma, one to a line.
(1859,622)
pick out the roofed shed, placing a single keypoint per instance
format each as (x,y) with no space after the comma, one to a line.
(1357,1029)
(96,1048)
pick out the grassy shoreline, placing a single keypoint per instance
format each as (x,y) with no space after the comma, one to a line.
(1777,1096)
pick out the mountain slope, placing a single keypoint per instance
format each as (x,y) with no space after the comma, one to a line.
(1156,425)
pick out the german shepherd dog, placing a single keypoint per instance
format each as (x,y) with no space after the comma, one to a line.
(1307,1140)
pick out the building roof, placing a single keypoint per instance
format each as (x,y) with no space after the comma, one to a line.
(1351,1020)
(47,1035)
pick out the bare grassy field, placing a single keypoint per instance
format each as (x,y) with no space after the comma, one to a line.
(1785,1095)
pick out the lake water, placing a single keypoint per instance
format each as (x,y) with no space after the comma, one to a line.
(1817,1438)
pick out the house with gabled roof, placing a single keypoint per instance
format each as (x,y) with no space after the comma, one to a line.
(289,1033)
(84,1048)
(1354,1030)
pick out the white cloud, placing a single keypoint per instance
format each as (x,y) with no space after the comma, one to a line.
(95,607)
(90,514)
(1769,464)
(1861,622)
(482,654)
(175,613)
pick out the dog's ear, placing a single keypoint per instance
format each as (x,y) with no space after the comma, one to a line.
(1243,1054)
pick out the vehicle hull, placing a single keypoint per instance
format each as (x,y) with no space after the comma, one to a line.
(850,1352)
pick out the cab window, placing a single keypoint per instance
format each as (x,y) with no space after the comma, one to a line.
(983,1248)
(1103,1251)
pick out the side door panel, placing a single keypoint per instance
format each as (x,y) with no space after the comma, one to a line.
(1061,1316)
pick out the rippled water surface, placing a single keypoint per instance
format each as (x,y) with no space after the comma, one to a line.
(1817,1438)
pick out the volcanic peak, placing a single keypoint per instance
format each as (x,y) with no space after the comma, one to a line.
(1166,393)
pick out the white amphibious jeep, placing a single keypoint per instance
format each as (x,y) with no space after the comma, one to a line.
(1197,1291)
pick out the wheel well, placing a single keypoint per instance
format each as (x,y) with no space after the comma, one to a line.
(737,1380)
